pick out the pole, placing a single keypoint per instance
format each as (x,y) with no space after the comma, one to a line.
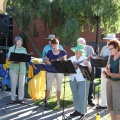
(97,31)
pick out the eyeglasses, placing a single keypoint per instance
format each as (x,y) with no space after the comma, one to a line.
(111,49)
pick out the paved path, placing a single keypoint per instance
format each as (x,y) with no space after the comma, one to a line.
(25,112)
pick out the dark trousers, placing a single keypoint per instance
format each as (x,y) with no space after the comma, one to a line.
(90,95)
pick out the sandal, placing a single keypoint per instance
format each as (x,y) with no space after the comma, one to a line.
(57,107)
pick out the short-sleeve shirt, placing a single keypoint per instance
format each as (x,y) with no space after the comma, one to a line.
(105,51)
(20,67)
(47,48)
(52,56)
(88,50)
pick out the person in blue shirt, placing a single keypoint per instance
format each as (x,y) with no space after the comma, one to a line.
(55,55)
(49,47)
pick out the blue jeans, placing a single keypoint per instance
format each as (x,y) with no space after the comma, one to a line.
(80,92)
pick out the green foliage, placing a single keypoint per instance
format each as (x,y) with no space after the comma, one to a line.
(67,18)
(70,17)
(22,12)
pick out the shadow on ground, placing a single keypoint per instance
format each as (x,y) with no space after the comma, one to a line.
(26,111)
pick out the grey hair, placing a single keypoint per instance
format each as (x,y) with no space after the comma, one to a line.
(81,40)
(17,38)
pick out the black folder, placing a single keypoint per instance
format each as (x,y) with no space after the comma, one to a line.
(2,58)
(20,57)
(85,72)
(64,66)
(99,62)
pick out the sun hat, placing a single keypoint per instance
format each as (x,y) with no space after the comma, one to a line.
(79,47)
(51,36)
(110,36)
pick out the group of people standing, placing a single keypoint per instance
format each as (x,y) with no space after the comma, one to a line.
(81,88)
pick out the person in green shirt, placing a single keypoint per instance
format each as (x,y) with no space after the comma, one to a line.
(17,71)
(113,83)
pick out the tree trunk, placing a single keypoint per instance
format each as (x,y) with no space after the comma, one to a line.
(30,38)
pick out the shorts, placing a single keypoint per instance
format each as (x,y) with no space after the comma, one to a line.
(58,77)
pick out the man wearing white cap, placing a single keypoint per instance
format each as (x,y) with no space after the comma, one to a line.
(105,53)
(49,47)
(89,51)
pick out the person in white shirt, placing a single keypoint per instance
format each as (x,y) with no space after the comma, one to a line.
(79,85)
(89,51)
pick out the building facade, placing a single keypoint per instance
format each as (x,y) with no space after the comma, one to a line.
(89,36)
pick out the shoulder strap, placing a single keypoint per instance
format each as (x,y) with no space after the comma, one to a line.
(108,60)
(14,48)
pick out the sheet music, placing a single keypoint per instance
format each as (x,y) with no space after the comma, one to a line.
(86,73)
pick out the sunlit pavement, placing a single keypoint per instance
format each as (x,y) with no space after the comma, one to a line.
(26,111)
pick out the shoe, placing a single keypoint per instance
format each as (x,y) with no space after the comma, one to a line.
(91,104)
(43,104)
(21,101)
(12,102)
(76,113)
(57,107)
(101,107)
(82,117)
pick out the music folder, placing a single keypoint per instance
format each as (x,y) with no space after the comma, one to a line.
(20,57)
(63,66)
(99,62)
(2,58)
(85,72)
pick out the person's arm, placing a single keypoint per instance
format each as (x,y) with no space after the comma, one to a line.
(44,53)
(25,51)
(46,60)
(86,63)
(113,75)
(101,53)
(91,50)
(90,53)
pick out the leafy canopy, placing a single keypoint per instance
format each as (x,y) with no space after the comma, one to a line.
(67,18)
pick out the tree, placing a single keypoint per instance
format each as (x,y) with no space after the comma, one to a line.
(78,13)
(24,14)
(66,18)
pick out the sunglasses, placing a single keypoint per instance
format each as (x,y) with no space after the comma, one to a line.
(49,39)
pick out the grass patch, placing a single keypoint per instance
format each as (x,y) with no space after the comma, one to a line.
(97,83)
(68,100)
(68,95)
